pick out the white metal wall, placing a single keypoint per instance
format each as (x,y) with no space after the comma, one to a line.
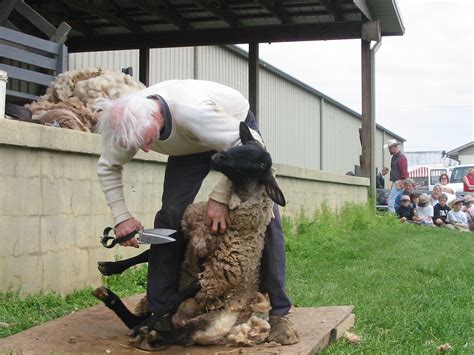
(289,120)
(114,60)
(342,147)
(222,66)
(171,63)
(290,115)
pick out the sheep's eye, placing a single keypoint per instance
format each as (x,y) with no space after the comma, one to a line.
(262,166)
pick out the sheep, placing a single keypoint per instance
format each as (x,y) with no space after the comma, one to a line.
(218,301)
(70,98)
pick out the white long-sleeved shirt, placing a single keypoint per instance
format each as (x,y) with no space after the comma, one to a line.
(205,116)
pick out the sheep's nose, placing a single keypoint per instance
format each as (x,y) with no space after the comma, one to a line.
(223,156)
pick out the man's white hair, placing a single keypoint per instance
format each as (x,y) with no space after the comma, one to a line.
(125,120)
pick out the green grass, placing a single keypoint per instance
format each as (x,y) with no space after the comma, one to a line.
(412,287)
(21,313)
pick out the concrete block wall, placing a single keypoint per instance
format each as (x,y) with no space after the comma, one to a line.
(52,210)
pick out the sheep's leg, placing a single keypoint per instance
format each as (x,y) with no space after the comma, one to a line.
(108,268)
(112,301)
(168,308)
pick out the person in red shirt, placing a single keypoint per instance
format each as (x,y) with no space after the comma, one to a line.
(468,180)
(398,172)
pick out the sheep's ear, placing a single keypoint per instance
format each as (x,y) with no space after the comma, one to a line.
(245,135)
(272,189)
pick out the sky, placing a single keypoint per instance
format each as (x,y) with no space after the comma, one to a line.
(424,79)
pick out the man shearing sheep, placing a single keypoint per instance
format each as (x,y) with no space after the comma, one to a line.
(188,120)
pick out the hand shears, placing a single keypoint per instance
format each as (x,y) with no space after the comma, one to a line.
(144,236)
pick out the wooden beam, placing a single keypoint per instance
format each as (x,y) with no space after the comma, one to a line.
(221,12)
(7,7)
(219,36)
(334,9)
(36,19)
(165,12)
(60,36)
(144,65)
(84,5)
(254,64)
(363,6)
(275,8)
(365,132)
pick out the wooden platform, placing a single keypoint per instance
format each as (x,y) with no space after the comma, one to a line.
(97,330)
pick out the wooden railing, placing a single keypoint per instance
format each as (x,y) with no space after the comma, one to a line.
(44,60)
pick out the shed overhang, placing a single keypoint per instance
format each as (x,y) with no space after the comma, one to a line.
(126,24)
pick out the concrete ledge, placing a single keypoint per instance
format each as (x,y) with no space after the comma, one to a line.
(52,209)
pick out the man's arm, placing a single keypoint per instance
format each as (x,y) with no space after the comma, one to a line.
(109,171)
(403,167)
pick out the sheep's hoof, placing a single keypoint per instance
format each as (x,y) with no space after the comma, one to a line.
(107,268)
(147,340)
(101,293)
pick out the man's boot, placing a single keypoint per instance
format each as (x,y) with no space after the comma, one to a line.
(282,330)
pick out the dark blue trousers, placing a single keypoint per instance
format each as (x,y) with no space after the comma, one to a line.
(183,179)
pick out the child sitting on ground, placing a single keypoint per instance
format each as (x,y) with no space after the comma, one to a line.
(405,211)
(415,198)
(424,211)
(440,212)
(457,217)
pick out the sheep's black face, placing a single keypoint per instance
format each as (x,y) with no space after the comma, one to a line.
(249,161)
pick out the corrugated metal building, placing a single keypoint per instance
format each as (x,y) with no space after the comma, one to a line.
(301,126)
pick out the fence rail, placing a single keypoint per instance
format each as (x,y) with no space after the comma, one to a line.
(31,60)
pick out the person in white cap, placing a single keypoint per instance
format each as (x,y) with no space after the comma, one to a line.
(398,172)
(456,217)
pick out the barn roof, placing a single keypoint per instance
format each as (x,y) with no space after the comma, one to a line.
(125,24)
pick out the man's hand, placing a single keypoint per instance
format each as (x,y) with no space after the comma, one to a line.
(218,218)
(126,227)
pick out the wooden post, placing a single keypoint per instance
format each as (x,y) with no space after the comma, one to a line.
(366,132)
(144,63)
(254,64)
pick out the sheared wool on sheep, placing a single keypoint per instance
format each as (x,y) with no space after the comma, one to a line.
(70,99)
(230,273)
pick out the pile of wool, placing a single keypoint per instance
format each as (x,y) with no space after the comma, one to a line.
(70,99)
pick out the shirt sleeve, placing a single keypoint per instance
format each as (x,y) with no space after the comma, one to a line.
(109,171)
(403,166)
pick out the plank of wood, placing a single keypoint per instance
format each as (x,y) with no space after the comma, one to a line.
(97,330)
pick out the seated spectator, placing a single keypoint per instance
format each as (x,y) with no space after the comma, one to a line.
(424,211)
(407,190)
(415,199)
(446,187)
(468,209)
(440,212)
(380,180)
(405,211)
(435,194)
(468,180)
(456,217)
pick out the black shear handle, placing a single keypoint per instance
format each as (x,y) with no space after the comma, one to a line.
(109,241)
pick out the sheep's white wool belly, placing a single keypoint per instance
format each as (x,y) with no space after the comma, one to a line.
(221,324)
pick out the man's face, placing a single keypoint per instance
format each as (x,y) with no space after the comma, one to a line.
(436,193)
(150,135)
(393,149)
(409,188)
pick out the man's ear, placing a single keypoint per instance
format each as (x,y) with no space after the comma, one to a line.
(272,188)
(245,135)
